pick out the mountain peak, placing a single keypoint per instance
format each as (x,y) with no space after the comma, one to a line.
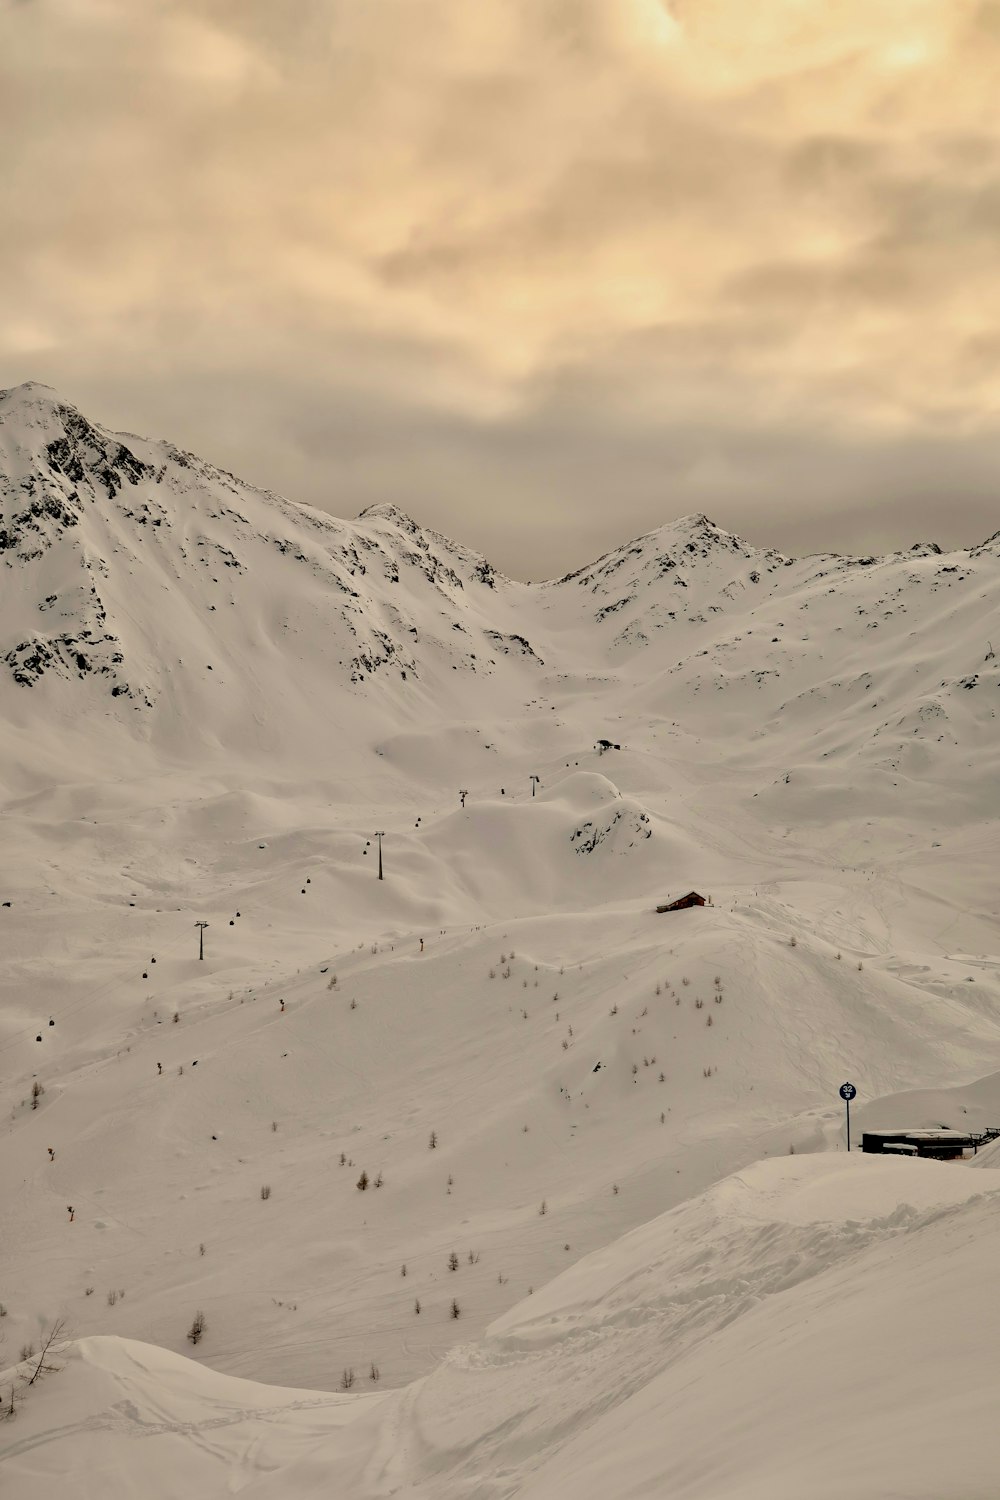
(31,397)
(33,413)
(386,511)
(695,520)
(29,391)
(51,456)
(990,545)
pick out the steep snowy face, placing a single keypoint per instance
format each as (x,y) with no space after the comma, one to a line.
(54,469)
(52,463)
(217,613)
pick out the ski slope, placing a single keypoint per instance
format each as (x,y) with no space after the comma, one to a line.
(210,700)
(804,1325)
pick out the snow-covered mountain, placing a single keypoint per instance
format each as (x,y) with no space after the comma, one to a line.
(211,699)
(147,589)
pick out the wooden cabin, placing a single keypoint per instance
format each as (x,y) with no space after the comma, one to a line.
(683,902)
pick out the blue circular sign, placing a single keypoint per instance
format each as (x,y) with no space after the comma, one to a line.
(847,1091)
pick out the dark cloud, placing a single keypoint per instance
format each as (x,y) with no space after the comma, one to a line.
(543,272)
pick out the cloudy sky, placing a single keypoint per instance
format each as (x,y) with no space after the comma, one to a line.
(545,273)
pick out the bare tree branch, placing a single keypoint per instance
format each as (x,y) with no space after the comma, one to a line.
(55,1332)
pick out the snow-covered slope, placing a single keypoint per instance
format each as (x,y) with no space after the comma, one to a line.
(210,701)
(807,1326)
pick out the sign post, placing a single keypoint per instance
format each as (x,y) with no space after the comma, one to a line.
(847,1093)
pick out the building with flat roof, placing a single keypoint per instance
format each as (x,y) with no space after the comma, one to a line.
(939,1145)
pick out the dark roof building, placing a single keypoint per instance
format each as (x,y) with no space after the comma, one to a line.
(940,1145)
(682,902)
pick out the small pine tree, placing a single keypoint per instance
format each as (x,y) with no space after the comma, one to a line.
(456,1311)
(453,1262)
(362,1182)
